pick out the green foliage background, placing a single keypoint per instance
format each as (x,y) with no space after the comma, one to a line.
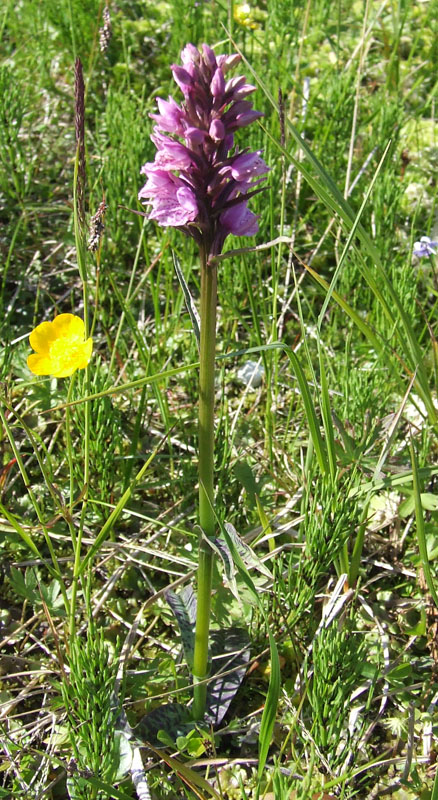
(328,467)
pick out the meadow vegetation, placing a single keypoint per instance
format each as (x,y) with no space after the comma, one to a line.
(324,604)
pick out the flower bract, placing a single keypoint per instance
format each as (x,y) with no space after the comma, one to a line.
(60,347)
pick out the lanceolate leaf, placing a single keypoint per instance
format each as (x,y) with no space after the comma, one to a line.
(191,308)
(246,552)
(172,718)
(183,606)
(230,649)
(312,419)
(221,549)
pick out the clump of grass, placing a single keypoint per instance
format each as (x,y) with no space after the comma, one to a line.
(92,708)
(338,657)
(331,518)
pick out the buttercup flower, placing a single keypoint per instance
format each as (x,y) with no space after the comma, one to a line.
(199,182)
(60,347)
(244,15)
(425,247)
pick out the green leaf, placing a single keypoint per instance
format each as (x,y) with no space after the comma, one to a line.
(165,738)
(52,598)
(421,535)
(172,718)
(400,674)
(222,551)
(183,606)
(246,552)
(21,532)
(429,501)
(230,650)
(181,741)
(326,415)
(25,585)
(191,308)
(273,694)
(312,420)
(124,755)
(244,475)
(264,522)
(195,747)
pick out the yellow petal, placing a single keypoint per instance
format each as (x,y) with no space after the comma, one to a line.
(68,325)
(39,364)
(86,353)
(65,371)
(68,355)
(41,338)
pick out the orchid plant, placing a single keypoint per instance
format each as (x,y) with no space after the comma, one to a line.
(200,182)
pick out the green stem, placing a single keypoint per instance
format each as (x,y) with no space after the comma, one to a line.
(81,254)
(206,485)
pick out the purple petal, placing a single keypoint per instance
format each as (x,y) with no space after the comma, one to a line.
(173,203)
(247,118)
(182,78)
(217,130)
(187,201)
(195,135)
(190,55)
(217,85)
(170,116)
(425,247)
(248,165)
(239,220)
(209,56)
(228,62)
(171,155)
(238,89)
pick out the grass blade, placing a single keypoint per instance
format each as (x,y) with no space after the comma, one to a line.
(421,533)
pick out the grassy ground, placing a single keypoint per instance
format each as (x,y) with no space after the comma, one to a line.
(326,466)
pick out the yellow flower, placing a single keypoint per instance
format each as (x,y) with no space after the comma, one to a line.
(59,347)
(244,15)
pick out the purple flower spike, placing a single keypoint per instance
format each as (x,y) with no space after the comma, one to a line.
(425,247)
(197,182)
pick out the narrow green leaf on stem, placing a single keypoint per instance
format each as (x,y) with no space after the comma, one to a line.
(327,415)
(312,420)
